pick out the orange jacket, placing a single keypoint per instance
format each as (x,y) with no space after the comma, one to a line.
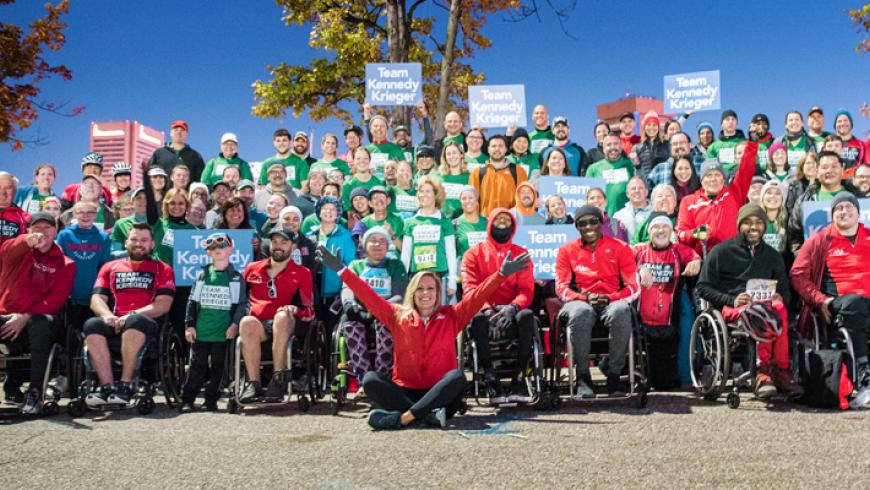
(497,189)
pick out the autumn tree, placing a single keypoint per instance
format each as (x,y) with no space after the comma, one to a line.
(861,21)
(22,69)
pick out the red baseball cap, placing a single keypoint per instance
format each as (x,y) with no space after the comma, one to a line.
(181,123)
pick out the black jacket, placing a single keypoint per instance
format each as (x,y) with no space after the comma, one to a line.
(731,264)
(167,158)
(650,153)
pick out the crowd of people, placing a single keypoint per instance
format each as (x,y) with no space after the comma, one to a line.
(415,243)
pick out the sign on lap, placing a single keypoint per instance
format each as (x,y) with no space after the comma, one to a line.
(572,189)
(543,243)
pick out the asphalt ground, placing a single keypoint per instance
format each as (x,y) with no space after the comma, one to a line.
(678,441)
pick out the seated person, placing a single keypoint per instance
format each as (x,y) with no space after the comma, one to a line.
(830,273)
(595,277)
(142,289)
(729,267)
(35,281)
(505,312)
(273,285)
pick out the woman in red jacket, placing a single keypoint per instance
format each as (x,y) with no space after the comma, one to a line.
(426,377)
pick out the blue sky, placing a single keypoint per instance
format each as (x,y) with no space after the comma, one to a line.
(155,61)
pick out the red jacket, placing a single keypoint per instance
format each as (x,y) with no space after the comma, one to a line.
(13,222)
(293,282)
(666,265)
(33,282)
(846,264)
(628,142)
(422,353)
(484,260)
(719,213)
(608,269)
(71,193)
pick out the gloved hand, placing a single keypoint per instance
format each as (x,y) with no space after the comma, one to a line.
(325,257)
(501,320)
(511,266)
(700,232)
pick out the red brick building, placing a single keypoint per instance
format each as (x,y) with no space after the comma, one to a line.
(124,141)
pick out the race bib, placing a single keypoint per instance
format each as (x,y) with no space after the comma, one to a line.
(616,175)
(168,238)
(379,159)
(407,203)
(215,297)
(219,169)
(475,237)
(453,190)
(291,173)
(380,281)
(763,160)
(773,240)
(761,289)
(538,145)
(473,165)
(726,155)
(296,256)
(409,157)
(34,206)
(425,257)
(794,157)
(427,234)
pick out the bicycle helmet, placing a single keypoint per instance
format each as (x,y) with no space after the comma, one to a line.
(92,158)
(121,168)
(761,322)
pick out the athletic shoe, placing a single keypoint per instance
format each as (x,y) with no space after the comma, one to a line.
(253,391)
(209,406)
(100,397)
(380,419)
(784,381)
(861,400)
(302,384)
(276,388)
(615,386)
(583,388)
(494,390)
(764,387)
(186,407)
(32,403)
(122,394)
(519,392)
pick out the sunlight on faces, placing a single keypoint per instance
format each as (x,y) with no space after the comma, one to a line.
(403,174)
(636,191)
(673,129)
(556,207)
(139,203)
(556,164)
(196,213)
(601,131)
(830,171)
(235,216)
(336,177)
(469,203)
(474,140)
(754,192)
(229,148)
(679,145)
(729,124)
(49,233)
(274,206)
(835,146)
(328,214)
(596,198)
(7,190)
(772,199)
(376,247)
(683,170)
(331,190)
(862,178)
(360,204)
(426,294)
(329,145)
(843,126)
(277,175)
(361,161)
(452,123)
(660,235)
(85,213)
(379,202)
(794,122)
(123,181)
(45,178)
(713,183)
(540,116)
(626,126)
(53,208)
(651,129)
(139,244)
(90,190)
(706,137)
(497,149)
(378,127)
(281,144)
(351,140)
(453,155)
(300,145)
(527,196)
(280,249)
(390,170)
(92,169)
(180,177)
(520,146)
(664,201)
(780,159)
(177,206)
(316,181)
(612,147)
(178,135)
(426,196)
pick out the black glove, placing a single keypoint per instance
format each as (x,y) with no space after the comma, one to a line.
(325,257)
(501,321)
(512,266)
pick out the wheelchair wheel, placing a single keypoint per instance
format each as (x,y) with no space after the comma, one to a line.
(709,355)
(76,408)
(641,397)
(172,365)
(733,400)
(145,405)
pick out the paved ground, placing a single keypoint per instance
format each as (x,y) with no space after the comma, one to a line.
(678,441)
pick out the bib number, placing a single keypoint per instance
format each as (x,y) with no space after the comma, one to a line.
(425,257)
(761,289)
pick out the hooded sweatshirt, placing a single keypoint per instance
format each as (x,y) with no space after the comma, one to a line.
(33,282)
(527,215)
(485,259)
(89,248)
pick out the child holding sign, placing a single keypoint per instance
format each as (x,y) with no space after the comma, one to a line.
(214,310)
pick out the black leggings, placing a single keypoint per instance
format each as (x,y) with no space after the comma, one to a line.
(200,353)
(662,345)
(446,393)
(523,325)
(36,337)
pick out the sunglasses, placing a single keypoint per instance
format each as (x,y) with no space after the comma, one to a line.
(587,222)
(218,242)
(273,292)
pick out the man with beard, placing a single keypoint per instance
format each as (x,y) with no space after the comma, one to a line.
(853,148)
(574,153)
(274,284)
(295,167)
(142,290)
(615,169)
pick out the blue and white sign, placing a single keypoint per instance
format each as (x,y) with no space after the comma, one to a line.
(394,83)
(572,189)
(699,91)
(817,215)
(543,243)
(497,106)
(189,254)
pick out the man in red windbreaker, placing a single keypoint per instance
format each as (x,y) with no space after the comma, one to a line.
(595,277)
(505,313)
(13,220)
(715,205)
(830,273)
(36,279)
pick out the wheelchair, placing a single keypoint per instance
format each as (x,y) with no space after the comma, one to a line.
(813,331)
(635,371)
(308,342)
(160,366)
(341,373)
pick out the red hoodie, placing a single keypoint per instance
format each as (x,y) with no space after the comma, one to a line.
(33,282)
(485,259)
(608,269)
(13,222)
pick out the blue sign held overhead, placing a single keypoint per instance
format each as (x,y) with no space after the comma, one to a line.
(817,215)
(572,189)
(543,243)
(497,106)
(189,254)
(699,91)
(389,84)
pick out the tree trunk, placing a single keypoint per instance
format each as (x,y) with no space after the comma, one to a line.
(398,35)
(446,63)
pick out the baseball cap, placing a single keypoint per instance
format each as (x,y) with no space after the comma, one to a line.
(179,122)
(244,183)
(401,128)
(279,230)
(299,134)
(378,189)
(156,171)
(425,151)
(560,120)
(816,108)
(221,182)
(40,216)
(229,137)
(626,114)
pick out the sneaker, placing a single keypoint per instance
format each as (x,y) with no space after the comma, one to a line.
(100,397)
(438,418)
(494,390)
(861,400)
(302,384)
(764,387)
(252,392)
(519,392)
(32,403)
(583,386)
(784,381)
(186,407)
(615,386)
(122,394)
(209,406)
(380,419)
(276,389)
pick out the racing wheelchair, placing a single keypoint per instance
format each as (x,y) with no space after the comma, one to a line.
(15,361)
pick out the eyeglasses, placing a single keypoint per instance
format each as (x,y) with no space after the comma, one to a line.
(86,213)
(273,293)
(218,242)
(587,222)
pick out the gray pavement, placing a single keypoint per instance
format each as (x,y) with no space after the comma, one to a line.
(679,441)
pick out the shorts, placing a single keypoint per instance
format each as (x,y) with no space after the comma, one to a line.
(142,323)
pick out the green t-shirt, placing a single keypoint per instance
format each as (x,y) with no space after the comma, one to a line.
(214,169)
(797,151)
(380,279)
(723,149)
(529,162)
(616,176)
(468,235)
(397,227)
(381,153)
(353,183)
(122,229)
(427,235)
(296,167)
(404,202)
(824,195)
(34,205)
(772,238)
(328,166)
(453,185)
(762,160)
(164,238)
(459,138)
(538,140)
(215,303)
(312,220)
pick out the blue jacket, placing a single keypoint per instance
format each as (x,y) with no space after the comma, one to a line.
(340,242)
(24,195)
(89,249)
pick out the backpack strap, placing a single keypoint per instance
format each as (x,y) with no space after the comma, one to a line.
(511,166)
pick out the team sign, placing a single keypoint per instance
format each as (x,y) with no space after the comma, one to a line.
(543,243)
(393,83)
(189,254)
(817,215)
(497,106)
(572,189)
(699,91)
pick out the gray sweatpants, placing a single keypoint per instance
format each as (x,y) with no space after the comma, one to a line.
(581,318)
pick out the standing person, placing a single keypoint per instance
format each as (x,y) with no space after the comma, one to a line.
(180,177)
(92,164)
(723,148)
(773,203)
(158,180)
(555,164)
(627,138)
(521,155)
(760,124)
(596,152)
(228,157)
(290,219)
(425,375)
(853,148)
(295,167)
(542,136)
(796,140)
(177,151)
(245,192)
(276,203)
(526,210)
(680,147)
(861,180)
(475,155)
(684,178)
(615,169)
(213,314)
(496,182)
(35,281)
(363,175)
(816,124)
(804,176)
(381,149)
(470,227)
(220,192)
(425,162)
(778,168)
(454,129)
(336,237)
(30,197)
(352,139)
(706,138)
(302,149)
(453,172)
(91,191)
(637,209)
(652,149)
(277,184)
(330,160)
(404,194)
(728,268)
(122,176)
(574,154)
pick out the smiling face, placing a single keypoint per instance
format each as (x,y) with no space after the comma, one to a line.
(474,140)
(520,146)
(178,135)
(426,295)
(729,125)
(328,214)
(540,116)
(846,217)
(612,148)
(556,207)
(352,140)
(379,202)
(229,148)
(232,176)
(469,203)
(90,190)
(664,201)
(637,192)
(816,122)
(679,145)
(862,178)
(843,126)
(45,178)
(300,145)
(830,172)
(235,216)
(376,247)
(403,174)
(452,123)
(292,222)
(683,171)
(596,198)
(794,122)
(361,161)
(626,126)
(281,144)
(601,130)
(556,164)
(426,196)
(771,199)
(274,206)
(527,196)
(497,150)
(180,177)
(713,183)
(177,206)
(139,244)
(378,127)
(590,228)
(660,235)
(453,155)
(85,213)
(753,229)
